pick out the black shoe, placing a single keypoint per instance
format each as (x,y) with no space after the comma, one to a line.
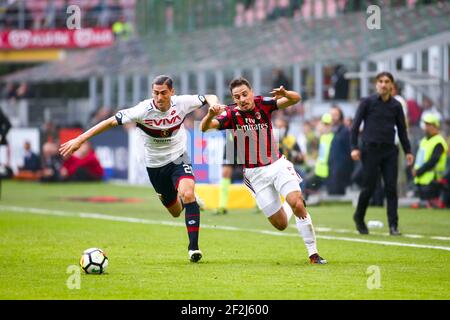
(361,226)
(393,231)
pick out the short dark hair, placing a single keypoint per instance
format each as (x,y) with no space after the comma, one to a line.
(163,79)
(385,74)
(239,82)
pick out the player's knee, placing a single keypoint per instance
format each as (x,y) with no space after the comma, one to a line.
(188,196)
(279,221)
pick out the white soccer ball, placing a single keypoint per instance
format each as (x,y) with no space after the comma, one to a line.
(94,260)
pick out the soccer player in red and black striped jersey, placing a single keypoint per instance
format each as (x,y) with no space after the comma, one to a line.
(267,174)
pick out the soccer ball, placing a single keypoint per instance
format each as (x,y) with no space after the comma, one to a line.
(94,260)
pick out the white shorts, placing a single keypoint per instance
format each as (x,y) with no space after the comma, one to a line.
(268,182)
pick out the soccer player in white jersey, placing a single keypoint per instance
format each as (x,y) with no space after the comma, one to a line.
(160,121)
(267,173)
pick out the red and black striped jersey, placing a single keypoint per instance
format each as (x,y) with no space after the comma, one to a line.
(255,142)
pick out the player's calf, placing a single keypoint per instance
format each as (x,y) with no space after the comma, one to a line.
(176,209)
(305,226)
(279,220)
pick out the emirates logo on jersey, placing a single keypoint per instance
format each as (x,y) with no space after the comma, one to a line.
(257,115)
(173,112)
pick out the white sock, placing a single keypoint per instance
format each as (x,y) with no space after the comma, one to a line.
(306,230)
(287,208)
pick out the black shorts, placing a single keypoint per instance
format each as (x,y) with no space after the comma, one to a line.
(165,180)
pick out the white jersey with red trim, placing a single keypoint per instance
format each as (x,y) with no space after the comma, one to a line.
(163,133)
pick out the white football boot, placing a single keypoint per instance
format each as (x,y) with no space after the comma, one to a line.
(195,255)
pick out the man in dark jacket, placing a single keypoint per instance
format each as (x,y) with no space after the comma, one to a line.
(5,170)
(381,114)
(340,162)
(31,160)
(5,125)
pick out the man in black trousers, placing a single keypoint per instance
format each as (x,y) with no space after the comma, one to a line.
(381,113)
(5,170)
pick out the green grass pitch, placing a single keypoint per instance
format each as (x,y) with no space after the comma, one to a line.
(43,234)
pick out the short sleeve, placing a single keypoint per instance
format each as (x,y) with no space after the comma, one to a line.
(134,114)
(190,103)
(269,104)
(224,121)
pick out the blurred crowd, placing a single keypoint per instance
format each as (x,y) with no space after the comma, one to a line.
(43,162)
(49,166)
(13,91)
(52,14)
(321,155)
(250,12)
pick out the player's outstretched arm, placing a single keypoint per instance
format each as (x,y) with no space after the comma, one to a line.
(68,148)
(208,122)
(285,98)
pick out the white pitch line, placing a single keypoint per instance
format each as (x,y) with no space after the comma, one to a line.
(387,243)
(413,236)
(319,229)
(441,238)
(89,215)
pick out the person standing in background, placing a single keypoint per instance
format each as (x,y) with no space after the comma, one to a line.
(339,162)
(321,168)
(381,113)
(430,166)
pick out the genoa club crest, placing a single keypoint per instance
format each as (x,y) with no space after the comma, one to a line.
(165,133)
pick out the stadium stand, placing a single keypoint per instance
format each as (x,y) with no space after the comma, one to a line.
(328,40)
(52,14)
